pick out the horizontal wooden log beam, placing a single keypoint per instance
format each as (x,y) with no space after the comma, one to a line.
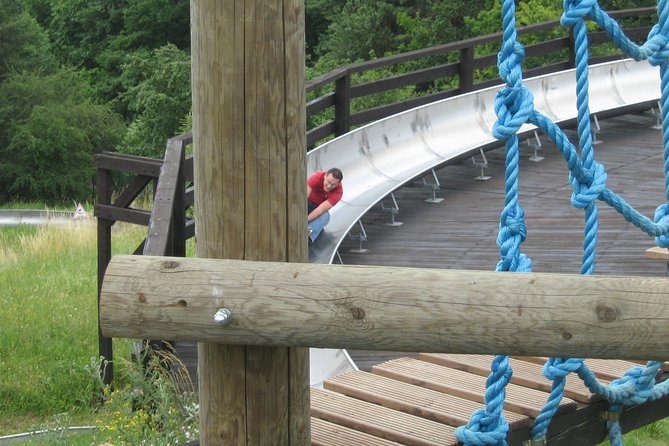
(386,308)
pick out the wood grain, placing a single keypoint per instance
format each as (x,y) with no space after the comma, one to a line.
(387,308)
(248,108)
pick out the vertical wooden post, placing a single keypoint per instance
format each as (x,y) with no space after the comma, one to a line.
(103,189)
(249,133)
(466,71)
(343,105)
(571,58)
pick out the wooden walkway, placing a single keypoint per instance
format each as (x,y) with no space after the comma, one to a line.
(419,399)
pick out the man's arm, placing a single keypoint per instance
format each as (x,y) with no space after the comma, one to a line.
(323,207)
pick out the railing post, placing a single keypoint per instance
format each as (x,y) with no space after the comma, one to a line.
(343,104)
(104,196)
(466,69)
(179,212)
(571,58)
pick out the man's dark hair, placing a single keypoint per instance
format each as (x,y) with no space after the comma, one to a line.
(336,173)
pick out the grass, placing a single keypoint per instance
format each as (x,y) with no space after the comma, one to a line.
(656,434)
(49,338)
(49,348)
(48,278)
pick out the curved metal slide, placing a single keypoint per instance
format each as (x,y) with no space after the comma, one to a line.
(383,156)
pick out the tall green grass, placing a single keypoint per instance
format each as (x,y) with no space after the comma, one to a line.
(49,332)
(49,360)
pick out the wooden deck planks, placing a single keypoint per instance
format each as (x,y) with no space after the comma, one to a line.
(608,369)
(461,231)
(519,399)
(379,421)
(324,433)
(426,403)
(524,373)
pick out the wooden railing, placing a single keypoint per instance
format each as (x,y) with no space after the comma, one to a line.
(168,227)
(341,89)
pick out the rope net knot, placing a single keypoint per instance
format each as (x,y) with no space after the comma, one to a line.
(559,368)
(586,193)
(657,47)
(513,106)
(575,11)
(662,218)
(483,429)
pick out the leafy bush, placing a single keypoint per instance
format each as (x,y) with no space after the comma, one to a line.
(51,131)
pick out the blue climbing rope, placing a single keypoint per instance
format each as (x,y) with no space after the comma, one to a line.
(514,106)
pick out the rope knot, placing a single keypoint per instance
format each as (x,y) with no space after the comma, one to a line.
(514,220)
(483,429)
(559,368)
(658,44)
(585,194)
(662,219)
(635,386)
(509,61)
(512,232)
(513,106)
(575,11)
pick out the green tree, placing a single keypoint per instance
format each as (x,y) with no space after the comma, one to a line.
(158,96)
(318,17)
(613,5)
(100,36)
(51,131)
(23,44)
(153,23)
(40,10)
(80,30)
(438,22)
(363,30)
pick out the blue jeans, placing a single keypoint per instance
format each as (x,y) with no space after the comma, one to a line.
(317,224)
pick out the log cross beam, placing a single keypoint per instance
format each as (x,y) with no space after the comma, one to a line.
(385,308)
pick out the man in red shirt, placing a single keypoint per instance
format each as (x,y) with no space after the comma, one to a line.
(324,190)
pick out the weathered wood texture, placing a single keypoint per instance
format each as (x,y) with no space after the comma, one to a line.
(386,308)
(249,127)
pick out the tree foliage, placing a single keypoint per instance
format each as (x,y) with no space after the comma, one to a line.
(158,97)
(23,44)
(126,70)
(51,132)
(437,22)
(364,29)
(80,30)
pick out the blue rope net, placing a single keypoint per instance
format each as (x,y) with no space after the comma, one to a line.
(514,107)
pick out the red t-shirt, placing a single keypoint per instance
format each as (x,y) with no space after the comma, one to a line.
(318,194)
